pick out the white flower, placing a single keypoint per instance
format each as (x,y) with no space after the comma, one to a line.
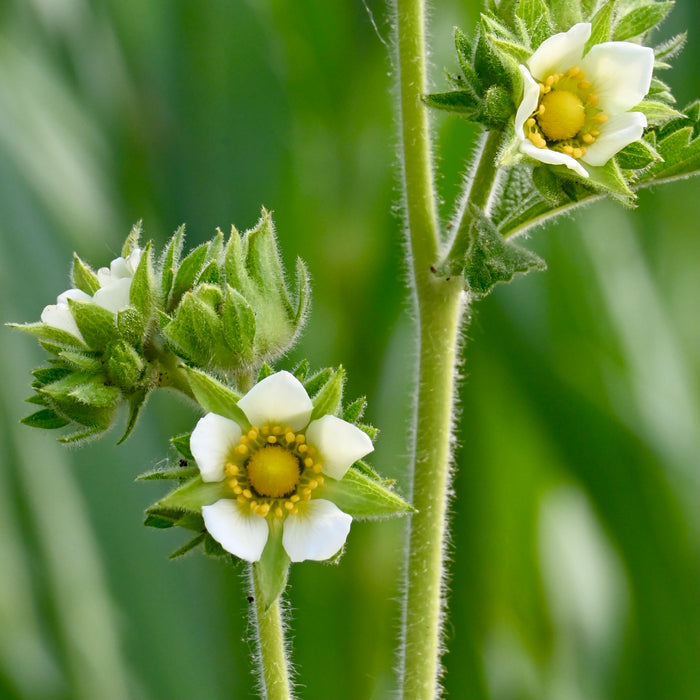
(113,294)
(274,470)
(575,107)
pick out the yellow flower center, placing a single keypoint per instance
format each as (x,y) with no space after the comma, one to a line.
(567,118)
(273,471)
(563,116)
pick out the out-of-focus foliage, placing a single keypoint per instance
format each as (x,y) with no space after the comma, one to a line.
(576,541)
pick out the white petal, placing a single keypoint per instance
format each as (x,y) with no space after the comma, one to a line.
(279,398)
(619,131)
(133,260)
(59,316)
(118,269)
(211,442)
(104,276)
(316,532)
(560,52)
(546,155)
(620,73)
(236,529)
(115,295)
(76,294)
(531,96)
(339,442)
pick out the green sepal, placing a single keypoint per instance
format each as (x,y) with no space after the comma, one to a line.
(48,375)
(96,324)
(49,333)
(669,49)
(565,14)
(136,403)
(328,399)
(87,389)
(132,240)
(362,497)
(83,277)
(96,419)
(303,294)
(85,361)
(316,382)
(38,400)
(215,397)
(179,473)
(170,261)
(460,101)
(548,184)
(657,113)
(640,20)
(301,371)
(491,259)
(354,411)
(238,323)
(601,26)
(487,63)
(46,419)
(124,365)
(192,495)
(511,52)
(661,91)
(272,570)
(465,55)
(536,18)
(182,444)
(165,517)
(637,155)
(82,436)
(213,549)
(131,325)
(187,274)
(196,330)
(142,293)
(608,178)
(188,546)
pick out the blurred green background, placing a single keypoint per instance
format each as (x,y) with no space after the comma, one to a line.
(576,541)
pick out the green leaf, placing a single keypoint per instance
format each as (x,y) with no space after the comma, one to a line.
(187,274)
(547,184)
(601,26)
(46,419)
(192,495)
(362,497)
(83,277)
(132,240)
(637,155)
(459,101)
(44,332)
(170,261)
(491,259)
(215,397)
(96,324)
(640,20)
(273,568)
(328,400)
(535,15)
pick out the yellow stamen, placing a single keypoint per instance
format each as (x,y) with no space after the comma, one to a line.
(242,449)
(272,439)
(237,490)
(317,468)
(600,118)
(587,138)
(279,512)
(295,498)
(289,437)
(303,448)
(301,438)
(592,99)
(573,71)
(253,434)
(568,150)
(530,122)
(584,85)
(247,493)
(308,462)
(289,505)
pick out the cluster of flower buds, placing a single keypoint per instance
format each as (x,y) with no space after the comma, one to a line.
(123,331)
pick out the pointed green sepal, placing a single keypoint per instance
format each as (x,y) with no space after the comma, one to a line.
(601,26)
(49,333)
(142,293)
(97,325)
(640,20)
(132,240)
(328,399)
(169,473)
(124,365)
(238,322)
(46,419)
(182,444)
(85,388)
(272,570)
(535,16)
(637,155)
(83,277)
(657,113)
(215,397)
(187,274)
(192,495)
(188,546)
(136,403)
(362,497)
(170,261)
(461,101)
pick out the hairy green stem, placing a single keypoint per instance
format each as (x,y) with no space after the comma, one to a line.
(271,651)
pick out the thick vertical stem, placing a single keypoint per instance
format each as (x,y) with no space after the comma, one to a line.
(272,657)
(439,307)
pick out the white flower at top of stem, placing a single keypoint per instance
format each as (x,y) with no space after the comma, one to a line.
(274,469)
(113,294)
(575,108)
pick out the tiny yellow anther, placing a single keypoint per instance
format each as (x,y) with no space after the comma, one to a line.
(231,469)
(272,439)
(279,512)
(319,479)
(587,138)
(530,122)
(578,152)
(301,438)
(550,81)
(289,436)
(584,85)
(308,462)
(265,430)
(313,484)
(242,449)
(317,468)
(277,430)
(541,109)
(263,509)
(600,118)
(237,490)
(592,99)
(543,89)
(289,505)
(295,498)
(306,494)
(254,506)
(247,493)
(294,511)
(233,483)
(573,71)
(568,150)
(253,433)
(303,448)
(240,499)
(594,132)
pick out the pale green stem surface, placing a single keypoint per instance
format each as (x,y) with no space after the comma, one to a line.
(271,652)
(439,306)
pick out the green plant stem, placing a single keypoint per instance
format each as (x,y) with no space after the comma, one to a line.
(272,657)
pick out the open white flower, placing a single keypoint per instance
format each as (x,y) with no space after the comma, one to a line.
(575,107)
(274,469)
(113,294)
